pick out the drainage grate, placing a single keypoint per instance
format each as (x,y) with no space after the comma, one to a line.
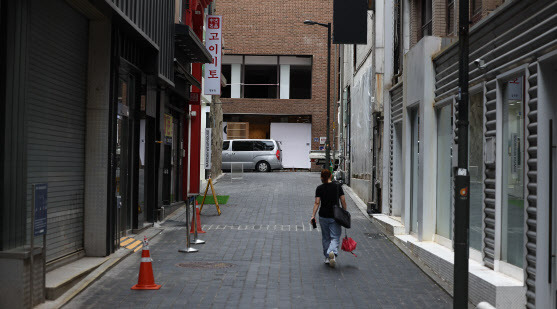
(205,265)
(376,235)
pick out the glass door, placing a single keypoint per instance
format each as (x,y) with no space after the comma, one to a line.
(123,159)
(513,174)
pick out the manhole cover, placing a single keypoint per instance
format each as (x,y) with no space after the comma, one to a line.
(376,235)
(205,265)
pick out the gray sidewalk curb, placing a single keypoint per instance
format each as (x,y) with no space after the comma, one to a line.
(362,206)
(111,261)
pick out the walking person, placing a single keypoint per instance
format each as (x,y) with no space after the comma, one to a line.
(326,196)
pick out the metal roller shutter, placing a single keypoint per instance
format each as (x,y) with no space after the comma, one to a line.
(396,117)
(56,98)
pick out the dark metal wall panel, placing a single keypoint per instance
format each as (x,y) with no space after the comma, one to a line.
(13,32)
(56,101)
(518,34)
(155,18)
(513,36)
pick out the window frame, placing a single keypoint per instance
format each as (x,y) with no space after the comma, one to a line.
(500,265)
(278,65)
(450,22)
(426,25)
(242,141)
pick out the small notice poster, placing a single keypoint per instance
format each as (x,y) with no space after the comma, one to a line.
(40,196)
(168,128)
(208,148)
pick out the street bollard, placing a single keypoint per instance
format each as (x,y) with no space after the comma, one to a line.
(195,239)
(188,248)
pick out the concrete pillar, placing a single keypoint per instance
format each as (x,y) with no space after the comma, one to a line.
(96,154)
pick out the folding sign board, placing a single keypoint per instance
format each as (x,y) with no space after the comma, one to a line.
(350,21)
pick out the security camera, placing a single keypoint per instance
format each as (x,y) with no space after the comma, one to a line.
(480,63)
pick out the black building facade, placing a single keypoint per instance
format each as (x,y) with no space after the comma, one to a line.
(90,92)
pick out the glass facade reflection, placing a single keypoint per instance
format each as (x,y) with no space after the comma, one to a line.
(512,246)
(476,163)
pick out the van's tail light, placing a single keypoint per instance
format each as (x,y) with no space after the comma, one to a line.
(278,154)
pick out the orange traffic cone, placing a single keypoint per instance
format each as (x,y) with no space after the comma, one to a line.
(146,281)
(197,216)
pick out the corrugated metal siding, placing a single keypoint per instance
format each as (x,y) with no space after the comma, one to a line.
(490,175)
(396,104)
(396,117)
(517,34)
(155,18)
(56,96)
(532,182)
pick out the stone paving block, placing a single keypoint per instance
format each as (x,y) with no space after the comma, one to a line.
(274,257)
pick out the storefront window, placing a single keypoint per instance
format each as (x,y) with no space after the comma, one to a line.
(444,172)
(476,164)
(513,173)
(415,121)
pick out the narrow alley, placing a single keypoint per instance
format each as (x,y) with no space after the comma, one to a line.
(262,253)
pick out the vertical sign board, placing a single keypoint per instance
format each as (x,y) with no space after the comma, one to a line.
(168,123)
(208,148)
(213,43)
(350,21)
(40,201)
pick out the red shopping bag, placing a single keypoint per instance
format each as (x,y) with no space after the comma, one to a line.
(348,244)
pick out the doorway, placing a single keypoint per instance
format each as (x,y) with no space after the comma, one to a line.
(123,155)
(415,168)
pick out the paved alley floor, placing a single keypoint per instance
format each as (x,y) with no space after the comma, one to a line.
(262,253)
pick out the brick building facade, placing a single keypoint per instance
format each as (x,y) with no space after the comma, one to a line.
(275,28)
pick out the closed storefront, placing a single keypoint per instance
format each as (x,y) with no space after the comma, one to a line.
(56,102)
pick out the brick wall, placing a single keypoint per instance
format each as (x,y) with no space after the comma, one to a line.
(275,27)
(439,19)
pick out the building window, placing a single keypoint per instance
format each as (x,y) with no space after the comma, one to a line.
(475,11)
(444,226)
(476,163)
(397,40)
(261,81)
(227,73)
(300,82)
(450,18)
(426,15)
(267,77)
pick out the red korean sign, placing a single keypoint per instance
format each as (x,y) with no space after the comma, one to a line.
(213,43)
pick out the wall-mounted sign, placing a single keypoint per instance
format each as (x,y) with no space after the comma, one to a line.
(316,139)
(322,140)
(514,89)
(208,148)
(213,43)
(40,196)
(168,125)
(321,147)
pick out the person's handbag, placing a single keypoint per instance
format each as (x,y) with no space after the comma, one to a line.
(348,244)
(341,215)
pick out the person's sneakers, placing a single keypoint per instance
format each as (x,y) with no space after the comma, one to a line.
(332,260)
(327,261)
